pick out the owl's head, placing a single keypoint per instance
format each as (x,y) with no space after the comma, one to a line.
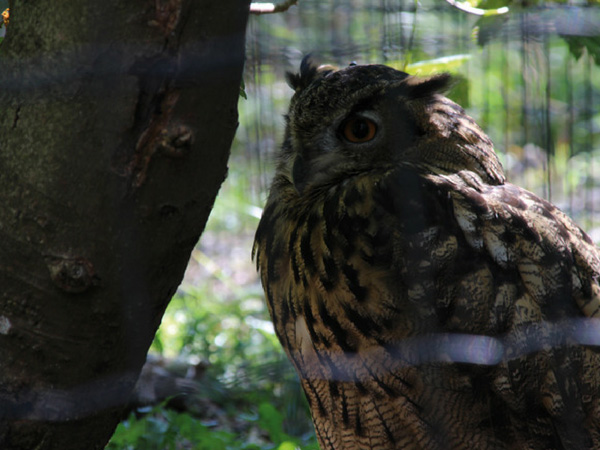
(373,117)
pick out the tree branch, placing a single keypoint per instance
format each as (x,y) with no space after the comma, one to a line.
(271,8)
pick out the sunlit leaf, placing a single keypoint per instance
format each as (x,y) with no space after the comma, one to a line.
(470,7)
(443,64)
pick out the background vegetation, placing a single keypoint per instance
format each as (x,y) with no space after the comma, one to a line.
(530,78)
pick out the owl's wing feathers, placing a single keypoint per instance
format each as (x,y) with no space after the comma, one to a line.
(555,259)
(551,268)
(484,274)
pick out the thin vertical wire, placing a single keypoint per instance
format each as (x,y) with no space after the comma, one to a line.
(335,44)
(524,96)
(464,45)
(439,42)
(570,125)
(403,43)
(589,140)
(485,90)
(549,143)
(505,90)
(413,32)
(390,47)
(255,36)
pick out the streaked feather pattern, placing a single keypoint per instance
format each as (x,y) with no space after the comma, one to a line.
(425,302)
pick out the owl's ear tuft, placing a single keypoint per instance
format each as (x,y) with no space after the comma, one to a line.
(425,87)
(309,72)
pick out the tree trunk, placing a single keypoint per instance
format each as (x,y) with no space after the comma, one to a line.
(116,119)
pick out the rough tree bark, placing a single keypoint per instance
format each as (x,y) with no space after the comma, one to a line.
(116,119)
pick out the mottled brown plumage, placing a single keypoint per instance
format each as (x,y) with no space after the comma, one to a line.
(424,302)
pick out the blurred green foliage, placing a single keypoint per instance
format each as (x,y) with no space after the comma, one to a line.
(163,429)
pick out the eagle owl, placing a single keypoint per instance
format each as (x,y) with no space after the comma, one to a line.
(424,302)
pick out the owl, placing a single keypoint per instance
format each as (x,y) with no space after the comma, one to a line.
(425,302)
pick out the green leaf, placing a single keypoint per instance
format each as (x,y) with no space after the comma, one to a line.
(271,421)
(437,65)
(243,90)
(577,44)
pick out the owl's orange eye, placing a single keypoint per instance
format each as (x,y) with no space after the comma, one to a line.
(359,129)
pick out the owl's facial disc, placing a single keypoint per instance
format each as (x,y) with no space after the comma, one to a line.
(355,120)
(344,145)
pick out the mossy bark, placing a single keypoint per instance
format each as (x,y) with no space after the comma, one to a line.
(116,119)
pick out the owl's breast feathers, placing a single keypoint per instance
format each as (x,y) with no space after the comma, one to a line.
(434,311)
